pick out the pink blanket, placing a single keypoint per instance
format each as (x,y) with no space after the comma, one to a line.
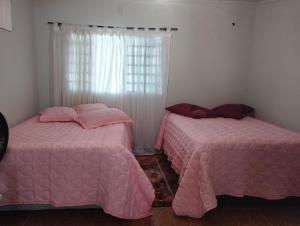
(62,164)
(229,157)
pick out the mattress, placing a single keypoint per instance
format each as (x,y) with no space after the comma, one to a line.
(61,164)
(229,157)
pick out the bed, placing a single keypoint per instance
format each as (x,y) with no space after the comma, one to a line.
(64,165)
(219,156)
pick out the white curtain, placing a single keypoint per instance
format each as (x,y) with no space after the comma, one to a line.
(124,69)
(5,15)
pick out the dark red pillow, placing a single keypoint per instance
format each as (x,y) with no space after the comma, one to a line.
(192,111)
(235,111)
(201,112)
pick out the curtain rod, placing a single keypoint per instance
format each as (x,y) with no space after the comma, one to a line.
(128,28)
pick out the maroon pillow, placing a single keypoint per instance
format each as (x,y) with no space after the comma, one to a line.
(235,111)
(201,112)
(192,111)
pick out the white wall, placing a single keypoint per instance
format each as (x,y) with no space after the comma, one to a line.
(18,90)
(210,58)
(274,79)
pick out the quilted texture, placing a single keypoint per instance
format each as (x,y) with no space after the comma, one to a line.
(97,118)
(58,114)
(81,108)
(229,157)
(62,164)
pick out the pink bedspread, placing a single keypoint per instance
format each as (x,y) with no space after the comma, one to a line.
(62,164)
(229,157)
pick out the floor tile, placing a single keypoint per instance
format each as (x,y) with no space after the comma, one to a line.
(261,215)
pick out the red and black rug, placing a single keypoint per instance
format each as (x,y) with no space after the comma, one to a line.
(162,176)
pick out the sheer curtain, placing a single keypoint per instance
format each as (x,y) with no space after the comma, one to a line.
(124,69)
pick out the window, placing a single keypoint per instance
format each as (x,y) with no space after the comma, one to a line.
(113,64)
(144,67)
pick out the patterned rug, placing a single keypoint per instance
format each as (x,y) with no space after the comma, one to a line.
(165,181)
(162,176)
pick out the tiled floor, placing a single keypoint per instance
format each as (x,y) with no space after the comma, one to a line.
(270,214)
